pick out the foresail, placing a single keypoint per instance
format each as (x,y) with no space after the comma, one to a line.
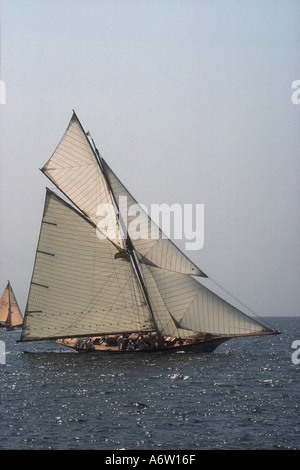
(74,169)
(78,287)
(188,305)
(154,248)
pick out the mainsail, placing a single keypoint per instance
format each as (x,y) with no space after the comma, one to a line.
(10,313)
(84,284)
(78,287)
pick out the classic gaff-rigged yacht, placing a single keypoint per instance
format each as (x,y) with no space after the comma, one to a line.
(90,290)
(10,313)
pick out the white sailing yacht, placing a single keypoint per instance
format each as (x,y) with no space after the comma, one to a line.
(93,285)
(10,313)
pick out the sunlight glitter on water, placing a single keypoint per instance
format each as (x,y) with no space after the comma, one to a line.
(236,397)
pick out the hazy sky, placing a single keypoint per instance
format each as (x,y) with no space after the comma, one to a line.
(188,101)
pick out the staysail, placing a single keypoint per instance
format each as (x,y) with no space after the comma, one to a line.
(10,313)
(84,284)
(189,305)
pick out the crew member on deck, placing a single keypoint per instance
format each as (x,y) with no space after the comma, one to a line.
(120,342)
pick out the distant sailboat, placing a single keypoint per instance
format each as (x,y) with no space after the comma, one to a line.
(10,314)
(110,292)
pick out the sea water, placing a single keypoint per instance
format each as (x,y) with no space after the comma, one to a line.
(245,395)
